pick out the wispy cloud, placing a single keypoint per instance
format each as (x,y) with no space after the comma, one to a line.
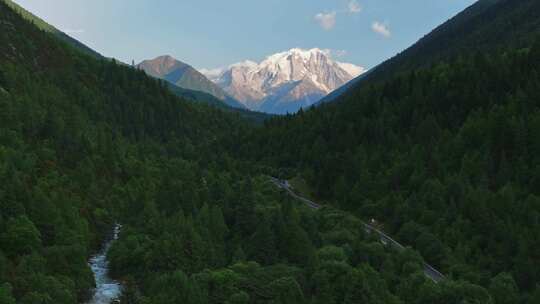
(354,7)
(381,29)
(326,20)
(332,53)
(339,53)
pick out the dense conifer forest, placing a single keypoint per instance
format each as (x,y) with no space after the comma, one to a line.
(444,156)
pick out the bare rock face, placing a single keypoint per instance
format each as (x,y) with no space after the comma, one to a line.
(284,82)
(184,76)
(161,66)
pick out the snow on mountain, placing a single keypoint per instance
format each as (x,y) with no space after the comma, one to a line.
(212,74)
(286,81)
(352,69)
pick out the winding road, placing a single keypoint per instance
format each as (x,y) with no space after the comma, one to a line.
(429,271)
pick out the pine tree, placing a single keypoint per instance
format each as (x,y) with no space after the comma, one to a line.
(287,291)
(219,231)
(6,296)
(21,237)
(504,290)
(263,247)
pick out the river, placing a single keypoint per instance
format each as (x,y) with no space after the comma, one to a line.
(107,290)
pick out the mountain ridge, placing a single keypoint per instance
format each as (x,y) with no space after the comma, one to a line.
(185,76)
(468,25)
(44,26)
(286,81)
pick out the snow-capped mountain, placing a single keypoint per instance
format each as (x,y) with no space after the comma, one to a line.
(284,82)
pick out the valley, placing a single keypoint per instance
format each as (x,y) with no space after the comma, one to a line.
(107,290)
(429,271)
(299,179)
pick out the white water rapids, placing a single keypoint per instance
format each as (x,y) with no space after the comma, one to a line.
(107,290)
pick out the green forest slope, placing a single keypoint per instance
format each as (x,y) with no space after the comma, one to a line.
(486,26)
(445,155)
(85,143)
(44,26)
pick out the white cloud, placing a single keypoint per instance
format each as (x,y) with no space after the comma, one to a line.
(326,20)
(381,29)
(339,53)
(332,53)
(354,7)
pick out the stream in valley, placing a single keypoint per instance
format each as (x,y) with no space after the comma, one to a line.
(107,290)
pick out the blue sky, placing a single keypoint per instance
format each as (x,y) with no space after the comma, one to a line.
(215,33)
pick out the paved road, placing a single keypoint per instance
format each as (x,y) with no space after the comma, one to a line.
(429,271)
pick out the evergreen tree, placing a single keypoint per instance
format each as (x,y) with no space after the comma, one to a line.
(286,291)
(263,244)
(504,290)
(21,236)
(5,294)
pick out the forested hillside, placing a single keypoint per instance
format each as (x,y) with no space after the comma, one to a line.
(486,26)
(198,96)
(72,129)
(446,156)
(44,26)
(85,143)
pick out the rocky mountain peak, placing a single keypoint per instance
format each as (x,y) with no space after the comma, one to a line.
(288,80)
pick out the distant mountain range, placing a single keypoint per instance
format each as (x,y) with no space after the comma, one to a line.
(184,76)
(284,82)
(186,82)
